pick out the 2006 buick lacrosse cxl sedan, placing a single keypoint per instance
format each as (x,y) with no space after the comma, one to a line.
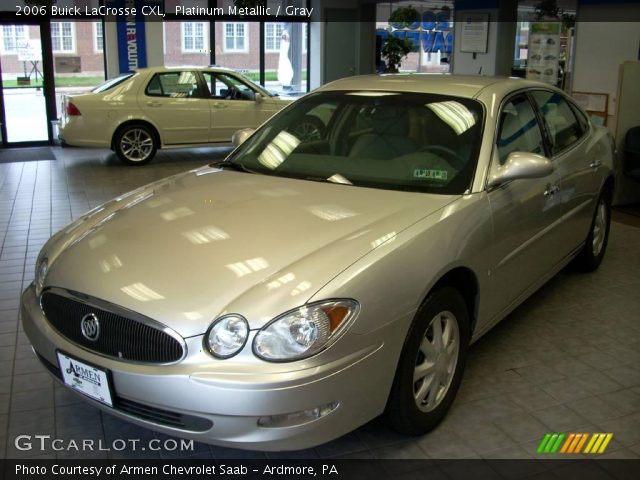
(302,287)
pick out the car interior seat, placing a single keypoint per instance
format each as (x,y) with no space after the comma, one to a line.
(389,137)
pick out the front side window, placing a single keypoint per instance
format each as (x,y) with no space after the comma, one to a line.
(193,36)
(228,87)
(13,36)
(564,129)
(62,37)
(519,129)
(388,140)
(235,37)
(173,85)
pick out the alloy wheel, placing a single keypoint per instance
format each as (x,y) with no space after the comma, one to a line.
(599,228)
(136,144)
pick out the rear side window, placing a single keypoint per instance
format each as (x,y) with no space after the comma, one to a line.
(562,124)
(519,129)
(173,85)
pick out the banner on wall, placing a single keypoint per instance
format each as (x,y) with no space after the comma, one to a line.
(132,47)
(544,52)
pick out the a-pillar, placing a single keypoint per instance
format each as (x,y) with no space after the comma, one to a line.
(498,59)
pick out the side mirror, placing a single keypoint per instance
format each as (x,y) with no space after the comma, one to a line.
(259,97)
(240,136)
(521,165)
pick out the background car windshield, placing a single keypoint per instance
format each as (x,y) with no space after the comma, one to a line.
(390,140)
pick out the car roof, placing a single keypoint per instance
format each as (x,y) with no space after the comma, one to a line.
(457,85)
(182,67)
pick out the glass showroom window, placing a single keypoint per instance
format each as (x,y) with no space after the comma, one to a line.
(193,37)
(272,36)
(12,36)
(235,37)
(62,37)
(98,37)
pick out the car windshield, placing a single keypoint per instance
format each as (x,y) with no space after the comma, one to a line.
(103,87)
(390,140)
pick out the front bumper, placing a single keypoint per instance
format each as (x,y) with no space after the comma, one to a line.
(226,405)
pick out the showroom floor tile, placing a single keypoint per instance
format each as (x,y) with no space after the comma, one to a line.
(566,360)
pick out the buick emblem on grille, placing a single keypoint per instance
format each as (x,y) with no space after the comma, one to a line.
(90,327)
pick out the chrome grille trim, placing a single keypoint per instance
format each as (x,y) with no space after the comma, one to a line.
(118,311)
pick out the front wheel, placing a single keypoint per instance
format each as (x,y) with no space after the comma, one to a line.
(431,364)
(595,245)
(136,144)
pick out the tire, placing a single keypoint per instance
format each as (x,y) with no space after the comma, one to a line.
(135,144)
(413,407)
(309,128)
(595,245)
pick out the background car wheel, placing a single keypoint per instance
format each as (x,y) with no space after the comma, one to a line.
(595,245)
(136,144)
(309,128)
(431,364)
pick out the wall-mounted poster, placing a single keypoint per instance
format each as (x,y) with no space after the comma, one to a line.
(475,33)
(544,52)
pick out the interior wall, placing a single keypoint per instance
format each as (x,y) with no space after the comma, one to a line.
(600,49)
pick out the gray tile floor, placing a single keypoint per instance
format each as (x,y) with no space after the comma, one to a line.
(566,360)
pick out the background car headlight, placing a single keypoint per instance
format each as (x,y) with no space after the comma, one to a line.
(41,271)
(226,336)
(304,331)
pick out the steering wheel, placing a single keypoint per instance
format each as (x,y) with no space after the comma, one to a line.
(451,156)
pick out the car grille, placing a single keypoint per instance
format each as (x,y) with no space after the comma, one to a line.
(147,412)
(119,337)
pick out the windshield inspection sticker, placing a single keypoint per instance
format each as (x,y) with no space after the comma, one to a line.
(440,175)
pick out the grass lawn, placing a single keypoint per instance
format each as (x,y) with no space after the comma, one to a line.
(269,75)
(79,81)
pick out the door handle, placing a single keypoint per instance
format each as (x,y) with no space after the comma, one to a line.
(551,190)
(219,105)
(595,164)
(154,104)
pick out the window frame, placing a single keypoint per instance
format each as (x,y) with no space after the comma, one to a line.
(193,36)
(15,38)
(276,38)
(59,27)
(98,40)
(246,35)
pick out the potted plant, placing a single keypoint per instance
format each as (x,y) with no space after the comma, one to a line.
(395,48)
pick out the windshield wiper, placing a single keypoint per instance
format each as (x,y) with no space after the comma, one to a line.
(231,166)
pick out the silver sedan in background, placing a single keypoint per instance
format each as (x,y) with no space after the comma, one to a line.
(310,283)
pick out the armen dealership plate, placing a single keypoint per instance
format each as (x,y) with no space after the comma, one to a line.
(86,379)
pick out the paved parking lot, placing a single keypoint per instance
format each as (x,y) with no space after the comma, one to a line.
(566,360)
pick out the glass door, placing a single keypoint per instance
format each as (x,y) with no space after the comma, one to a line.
(24,106)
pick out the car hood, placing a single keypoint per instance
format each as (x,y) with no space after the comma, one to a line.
(211,241)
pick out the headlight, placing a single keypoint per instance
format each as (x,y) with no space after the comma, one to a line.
(226,336)
(41,271)
(304,331)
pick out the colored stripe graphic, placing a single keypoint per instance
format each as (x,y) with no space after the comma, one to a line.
(574,443)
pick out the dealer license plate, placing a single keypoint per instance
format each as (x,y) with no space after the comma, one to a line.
(86,379)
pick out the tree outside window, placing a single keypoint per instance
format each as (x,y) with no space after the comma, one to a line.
(62,38)
(235,37)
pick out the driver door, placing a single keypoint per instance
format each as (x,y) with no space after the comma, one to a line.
(526,212)
(233,105)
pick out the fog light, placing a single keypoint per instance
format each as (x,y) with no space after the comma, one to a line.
(297,418)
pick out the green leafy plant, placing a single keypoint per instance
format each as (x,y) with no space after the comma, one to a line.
(402,17)
(394,50)
(550,9)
